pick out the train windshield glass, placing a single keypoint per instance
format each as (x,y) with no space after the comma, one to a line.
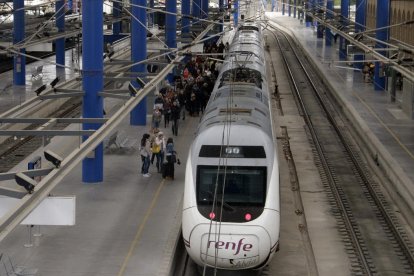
(244,186)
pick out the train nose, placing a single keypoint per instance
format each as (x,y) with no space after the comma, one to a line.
(246,246)
(231,251)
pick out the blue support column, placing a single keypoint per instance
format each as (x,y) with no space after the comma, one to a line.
(345,16)
(60,24)
(294,8)
(283,7)
(205,9)
(138,116)
(290,8)
(221,8)
(70,5)
(360,19)
(171,30)
(185,22)
(308,19)
(19,61)
(196,10)
(383,18)
(273,5)
(329,15)
(116,12)
(236,13)
(92,48)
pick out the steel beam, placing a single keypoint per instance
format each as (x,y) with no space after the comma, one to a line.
(30,201)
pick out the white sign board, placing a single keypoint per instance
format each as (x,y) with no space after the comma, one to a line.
(51,211)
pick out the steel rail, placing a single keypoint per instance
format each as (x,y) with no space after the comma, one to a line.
(323,160)
(13,218)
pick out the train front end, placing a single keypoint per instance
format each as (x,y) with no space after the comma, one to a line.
(231,216)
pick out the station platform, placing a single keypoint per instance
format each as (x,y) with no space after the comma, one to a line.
(129,224)
(382,126)
(126,225)
(14,95)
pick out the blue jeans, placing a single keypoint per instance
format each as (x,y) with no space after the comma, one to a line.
(145,164)
(160,158)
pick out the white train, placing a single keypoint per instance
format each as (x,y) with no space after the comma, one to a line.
(231,210)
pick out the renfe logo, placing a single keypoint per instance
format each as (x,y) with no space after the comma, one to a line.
(231,246)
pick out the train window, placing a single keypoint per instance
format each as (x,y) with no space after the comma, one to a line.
(242,74)
(242,186)
(232,151)
(253,28)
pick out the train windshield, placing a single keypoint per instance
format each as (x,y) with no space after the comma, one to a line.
(243,186)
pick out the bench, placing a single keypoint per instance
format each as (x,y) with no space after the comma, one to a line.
(37,73)
(120,140)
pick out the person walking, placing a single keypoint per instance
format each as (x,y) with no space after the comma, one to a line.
(145,152)
(175,116)
(156,119)
(171,158)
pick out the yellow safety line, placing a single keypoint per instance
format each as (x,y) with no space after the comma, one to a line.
(386,127)
(379,119)
(140,229)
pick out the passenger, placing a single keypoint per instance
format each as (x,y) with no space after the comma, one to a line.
(158,150)
(145,152)
(175,116)
(167,112)
(156,119)
(159,102)
(182,101)
(171,157)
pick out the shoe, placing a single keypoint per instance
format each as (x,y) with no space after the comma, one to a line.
(146,175)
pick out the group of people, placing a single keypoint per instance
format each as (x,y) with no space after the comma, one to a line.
(156,148)
(193,84)
(368,71)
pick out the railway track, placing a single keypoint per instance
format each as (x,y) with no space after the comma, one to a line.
(373,236)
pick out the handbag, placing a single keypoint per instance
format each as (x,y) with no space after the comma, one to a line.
(173,158)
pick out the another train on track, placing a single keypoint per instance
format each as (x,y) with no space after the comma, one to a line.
(231,208)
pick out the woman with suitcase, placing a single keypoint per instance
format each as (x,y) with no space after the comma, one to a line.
(171,158)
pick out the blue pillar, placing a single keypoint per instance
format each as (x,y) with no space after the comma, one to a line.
(273,5)
(138,116)
(383,18)
(236,13)
(205,9)
(60,24)
(221,8)
(92,47)
(345,16)
(308,19)
(290,8)
(19,61)
(294,8)
(171,30)
(185,22)
(116,12)
(360,19)
(329,15)
(196,10)
(283,7)
(70,5)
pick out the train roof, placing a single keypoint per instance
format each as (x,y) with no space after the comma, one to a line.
(239,103)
